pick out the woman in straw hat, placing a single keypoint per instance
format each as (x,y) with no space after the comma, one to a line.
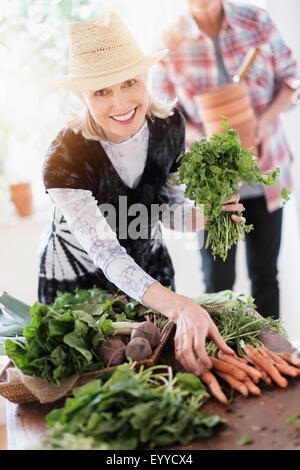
(114,156)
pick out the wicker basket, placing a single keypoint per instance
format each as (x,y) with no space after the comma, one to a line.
(17,392)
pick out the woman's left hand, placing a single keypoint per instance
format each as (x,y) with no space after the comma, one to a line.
(233,205)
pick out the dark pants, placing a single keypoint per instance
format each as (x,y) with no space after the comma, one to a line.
(262,249)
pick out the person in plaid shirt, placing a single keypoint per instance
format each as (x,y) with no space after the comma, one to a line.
(206,47)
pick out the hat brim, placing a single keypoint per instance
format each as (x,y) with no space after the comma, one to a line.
(77,83)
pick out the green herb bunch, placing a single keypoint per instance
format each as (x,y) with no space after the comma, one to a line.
(238,326)
(211,171)
(127,409)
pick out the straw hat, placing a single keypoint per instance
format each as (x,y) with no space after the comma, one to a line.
(102,53)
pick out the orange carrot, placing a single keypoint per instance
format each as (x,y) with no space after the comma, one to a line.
(248,360)
(241,359)
(252,387)
(291,358)
(280,363)
(236,384)
(271,354)
(265,364)
(267,356)
(228,368)
(251,371)
(266,378)
(288,370)
(214,386)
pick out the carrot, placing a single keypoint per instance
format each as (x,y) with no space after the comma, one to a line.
(241,359)
(228,368)
(281,364)
(271,354)
(236,384)
(265,364)
(291,358)
(288,370)
(266,378)
(264,375)
(267,356)
(251,371)
(214,386)
(252,387)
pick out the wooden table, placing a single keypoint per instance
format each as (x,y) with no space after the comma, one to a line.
(263,418)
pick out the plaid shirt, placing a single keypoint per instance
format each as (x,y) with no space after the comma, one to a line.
(190,68)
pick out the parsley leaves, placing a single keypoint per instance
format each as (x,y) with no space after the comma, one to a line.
(211,171)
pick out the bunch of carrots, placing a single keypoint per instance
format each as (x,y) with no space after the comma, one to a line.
(244,373)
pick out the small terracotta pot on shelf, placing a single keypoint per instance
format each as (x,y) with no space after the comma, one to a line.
(231,100)
(21,196)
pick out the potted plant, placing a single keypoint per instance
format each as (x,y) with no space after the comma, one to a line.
(21,196)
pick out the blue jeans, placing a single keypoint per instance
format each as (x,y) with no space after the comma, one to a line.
(262,249)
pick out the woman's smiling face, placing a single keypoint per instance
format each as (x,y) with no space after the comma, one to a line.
(120,109)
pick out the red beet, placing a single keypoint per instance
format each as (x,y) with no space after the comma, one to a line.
(112,351)
(138,349)
(149,331)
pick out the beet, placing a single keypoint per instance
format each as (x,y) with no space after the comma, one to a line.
(149,331)
(112,351)
(138,349)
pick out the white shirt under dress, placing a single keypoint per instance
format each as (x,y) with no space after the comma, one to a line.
(87,234)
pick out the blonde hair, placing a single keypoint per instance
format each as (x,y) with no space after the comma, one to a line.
(82,120)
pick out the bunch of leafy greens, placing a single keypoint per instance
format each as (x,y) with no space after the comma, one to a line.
(58,345)
(128,409)
(238,325)
(63,338)
(222,299)
(95,295)
(211,171)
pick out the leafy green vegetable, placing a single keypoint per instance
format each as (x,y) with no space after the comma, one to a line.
(132,409)
(95,295)
(211,171)
(236,322)
(62,339)
(244,440)
(58,345)
(294,420)
(13,318)
(224,298)
(285,196)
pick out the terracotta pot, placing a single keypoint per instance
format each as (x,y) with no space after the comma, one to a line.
(231,100)
(21,196)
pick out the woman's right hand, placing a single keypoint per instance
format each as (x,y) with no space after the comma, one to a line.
(193,326)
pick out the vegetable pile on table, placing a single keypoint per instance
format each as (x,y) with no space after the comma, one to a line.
(126,409)
(64,339)
(211,171)
(253,362)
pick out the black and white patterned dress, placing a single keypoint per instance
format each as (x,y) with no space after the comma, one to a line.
(80,248)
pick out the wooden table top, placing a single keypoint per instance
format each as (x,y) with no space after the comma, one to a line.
(263,417)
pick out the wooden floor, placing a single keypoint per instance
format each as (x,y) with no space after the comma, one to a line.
(3,439)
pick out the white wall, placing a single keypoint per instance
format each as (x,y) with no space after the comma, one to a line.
(286,16)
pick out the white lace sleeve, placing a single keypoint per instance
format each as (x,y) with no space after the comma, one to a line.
(90,228)
(179,207)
